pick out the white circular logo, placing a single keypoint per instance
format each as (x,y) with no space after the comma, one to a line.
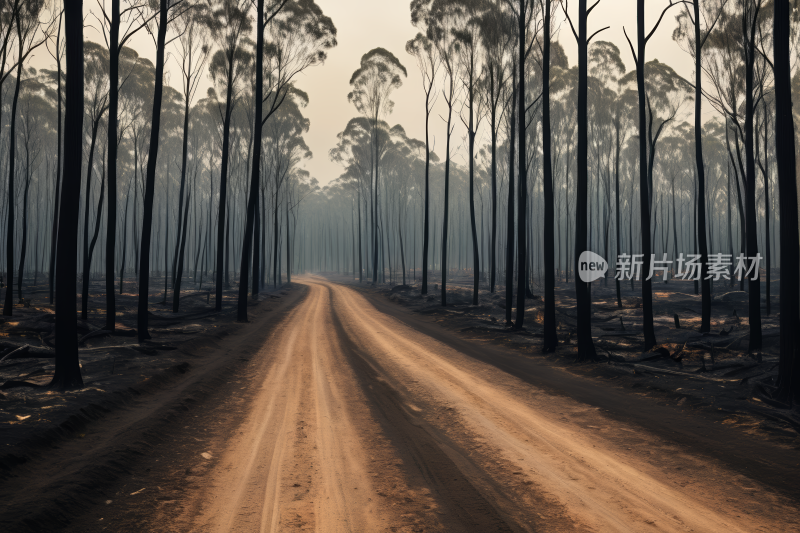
(591,267)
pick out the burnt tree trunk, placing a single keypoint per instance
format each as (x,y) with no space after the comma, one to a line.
(550,341)
(113,111)
(754,285)
(510,221)
(789,365)
(705,284)
(150,180)
(85,284)
(67,373)
(644,193)
(59,164)
(522,197)
(586,349)
(9,301)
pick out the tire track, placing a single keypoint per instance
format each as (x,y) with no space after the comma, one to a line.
(513,429)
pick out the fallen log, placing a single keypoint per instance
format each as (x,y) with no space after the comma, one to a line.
(32,352)
(12,352)
(103,332)
(620,334)
(12,384)
(645,368)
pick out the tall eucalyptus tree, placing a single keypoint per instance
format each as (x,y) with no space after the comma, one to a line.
(96,83)
(789,362)
(115,37)
(695,25)
(586,349)
(373,83)
(228,22)
(645,190)
(192,53)
(468,34)
(57,53)
(442,22)
(750,17)
(67,373)
(299,36)
(167,10)
(30,34)
(550,340)
(524,13)
(498,36)
(428,62)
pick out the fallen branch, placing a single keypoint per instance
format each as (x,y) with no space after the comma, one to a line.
(20,349)
(11,384)
(115,333)
(620,334)
(645,368)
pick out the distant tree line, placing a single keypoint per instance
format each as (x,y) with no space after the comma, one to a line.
(153,179)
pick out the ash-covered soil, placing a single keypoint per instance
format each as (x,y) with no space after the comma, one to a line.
(115,367)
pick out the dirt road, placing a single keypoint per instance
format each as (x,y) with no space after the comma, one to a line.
(344,412)
(360,423)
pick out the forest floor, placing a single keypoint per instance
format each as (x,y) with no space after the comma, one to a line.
(114,367)
(342,411)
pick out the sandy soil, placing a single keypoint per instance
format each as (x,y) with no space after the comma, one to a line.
(710,371)
(346,418)
(312,454)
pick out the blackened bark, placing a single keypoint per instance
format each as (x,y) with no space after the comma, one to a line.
(149,191)
(617,204)
(754,285)
(705,284)
(644,196)
(97,222)
(522,197)
(23,249)
(252,204)
(85,284)
(768,251)
(789,365)
(510,225)
(402,252)
(113,111)
(178,273)
(176,267)
(67,373)
(426,223)
(276,230)
(360,253)
(586,349)
(288,249)
(476,259)
(493,132)
(59,162)
(223,188)
(9,301)
(550,341)
(445,222)
(256,285)
(124,241)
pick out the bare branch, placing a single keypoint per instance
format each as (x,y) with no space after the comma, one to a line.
(595,33)
(658,23)
(635,58)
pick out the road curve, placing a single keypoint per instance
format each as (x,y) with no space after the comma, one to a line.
(361,423)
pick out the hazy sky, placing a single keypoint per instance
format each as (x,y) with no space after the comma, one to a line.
(366,24)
